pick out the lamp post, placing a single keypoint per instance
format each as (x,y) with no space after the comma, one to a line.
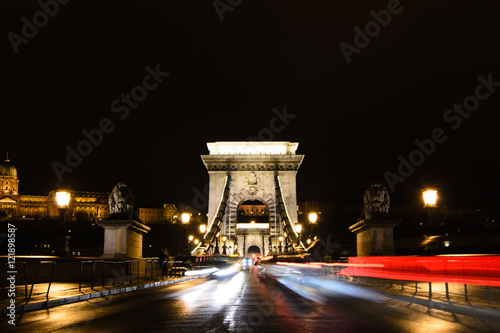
(298,229)
(430,199)
(62,238)
(185,220)
(280,238)
(313,217)
(216,251)
(224,238)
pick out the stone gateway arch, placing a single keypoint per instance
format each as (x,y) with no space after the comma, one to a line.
(251,171)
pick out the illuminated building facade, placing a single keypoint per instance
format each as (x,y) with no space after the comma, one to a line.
(84,205)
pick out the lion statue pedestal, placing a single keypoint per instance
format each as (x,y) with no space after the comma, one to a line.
(374,229)
(122,232)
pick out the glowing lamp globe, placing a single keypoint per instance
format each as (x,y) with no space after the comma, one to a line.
(62,199)
(185,218)
(313,217)
(430,198)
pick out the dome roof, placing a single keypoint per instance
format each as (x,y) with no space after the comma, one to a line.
(7,169)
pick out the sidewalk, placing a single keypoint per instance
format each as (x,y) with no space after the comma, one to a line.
(479,300)
(457,293)
(68,292)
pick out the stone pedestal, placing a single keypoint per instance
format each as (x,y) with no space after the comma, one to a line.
(123,239)
(375,237)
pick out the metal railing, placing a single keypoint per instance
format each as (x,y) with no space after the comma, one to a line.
(53,263)
(152,267)
(122,270)
(125,265)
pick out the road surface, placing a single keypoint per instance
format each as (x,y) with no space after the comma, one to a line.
(243,303)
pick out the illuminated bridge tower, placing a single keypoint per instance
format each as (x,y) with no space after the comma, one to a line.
(243,172)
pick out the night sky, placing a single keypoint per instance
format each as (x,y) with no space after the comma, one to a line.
(353,115)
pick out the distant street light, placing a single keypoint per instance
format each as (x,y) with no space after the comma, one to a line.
(298,229)
(185,220)
(185,217)
(203,228)
(224,238)
(313,217)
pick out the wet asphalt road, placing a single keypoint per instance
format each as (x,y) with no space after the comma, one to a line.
(243,303)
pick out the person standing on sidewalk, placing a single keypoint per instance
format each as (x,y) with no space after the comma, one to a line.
(164,255)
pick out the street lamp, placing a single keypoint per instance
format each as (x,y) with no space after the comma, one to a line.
(313,217)
(203,228)
(63,199)
(224,238)
(280,238)
(298,229)
(185,217)
(185,220)
(430,197)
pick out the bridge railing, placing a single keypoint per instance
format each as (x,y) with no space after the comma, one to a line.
(125,272)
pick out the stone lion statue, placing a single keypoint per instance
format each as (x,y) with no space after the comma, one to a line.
(121,201)
(375,201)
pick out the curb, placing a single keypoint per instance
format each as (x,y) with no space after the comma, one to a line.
(73,299)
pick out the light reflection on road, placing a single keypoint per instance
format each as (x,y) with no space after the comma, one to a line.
(217,293)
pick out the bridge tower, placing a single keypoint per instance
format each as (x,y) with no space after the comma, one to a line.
(255,171)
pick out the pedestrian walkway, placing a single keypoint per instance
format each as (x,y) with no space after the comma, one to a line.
(61,293)
(436,291)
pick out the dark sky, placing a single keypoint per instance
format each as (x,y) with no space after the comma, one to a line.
(352,120)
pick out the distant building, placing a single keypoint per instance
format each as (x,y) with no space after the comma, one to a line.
(84,205)
(252,210)
(150,215)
